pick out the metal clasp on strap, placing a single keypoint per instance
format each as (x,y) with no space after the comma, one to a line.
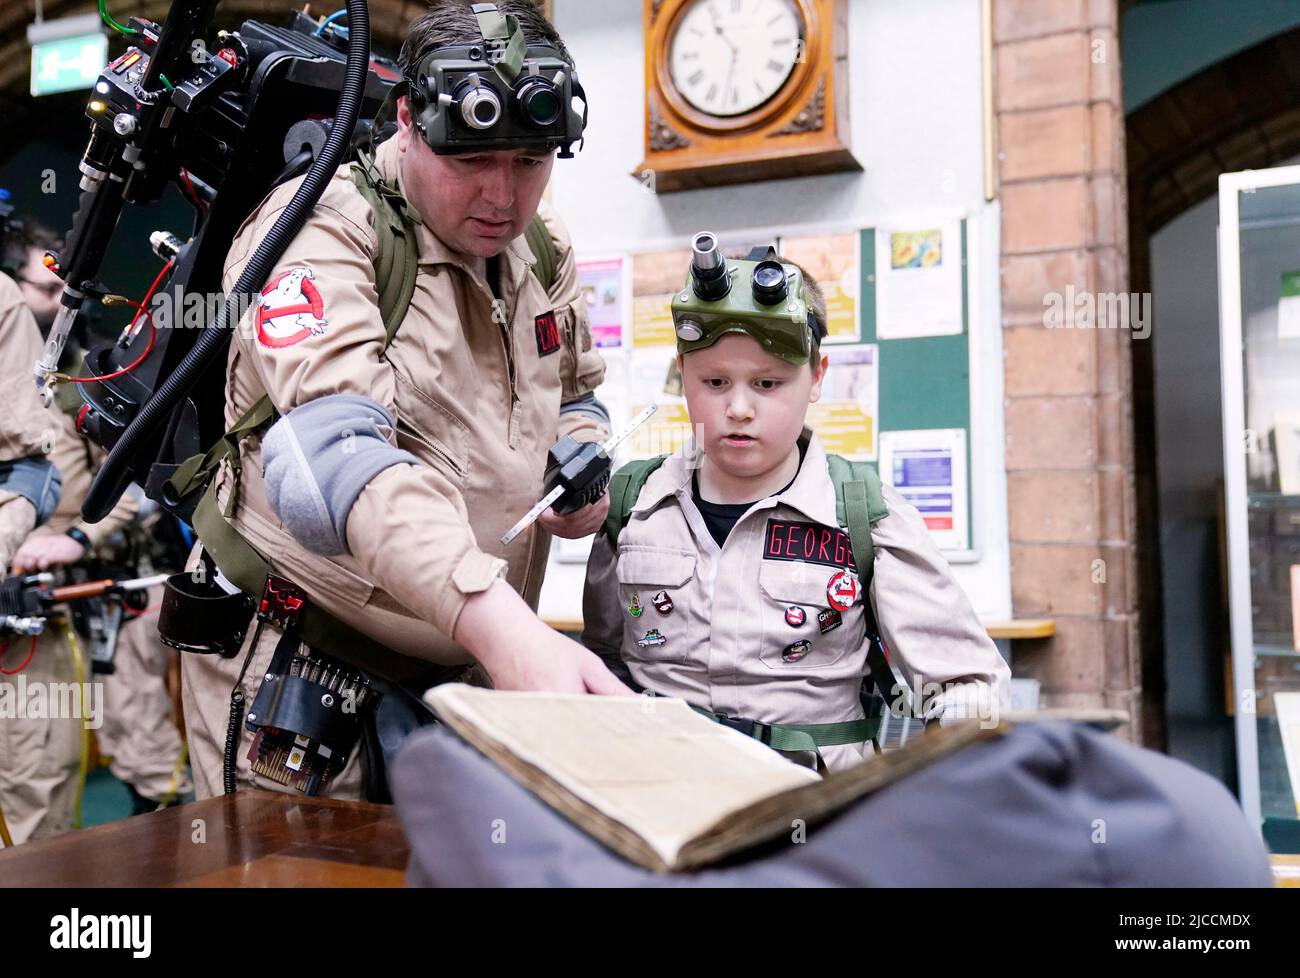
(761,732)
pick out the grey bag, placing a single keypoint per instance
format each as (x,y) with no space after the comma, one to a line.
(1049,804)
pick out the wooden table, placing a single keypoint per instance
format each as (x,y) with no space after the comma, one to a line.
(251,838)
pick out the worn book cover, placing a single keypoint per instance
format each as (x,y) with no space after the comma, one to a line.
(657,782)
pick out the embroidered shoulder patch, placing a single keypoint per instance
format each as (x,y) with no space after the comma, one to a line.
(291,309)
(548,333)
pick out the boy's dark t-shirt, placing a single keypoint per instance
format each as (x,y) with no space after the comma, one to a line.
(721,517)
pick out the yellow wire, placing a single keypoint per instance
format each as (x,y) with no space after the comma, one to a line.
(176,776)
(79,667)
(5,837)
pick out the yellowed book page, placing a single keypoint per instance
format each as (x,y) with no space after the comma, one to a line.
(654,766)
(1295,606)
(1287,707)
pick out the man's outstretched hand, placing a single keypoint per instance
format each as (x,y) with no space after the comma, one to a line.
(520,652)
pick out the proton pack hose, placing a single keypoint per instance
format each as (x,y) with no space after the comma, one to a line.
(106,488)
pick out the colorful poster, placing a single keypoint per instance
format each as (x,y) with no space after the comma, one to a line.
(656,277)
(602,283)
(652,378)
(919,281)
(846,416)
(928,468)
(832,260)
(664,434)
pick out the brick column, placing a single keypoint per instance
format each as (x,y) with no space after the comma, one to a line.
(1069,451)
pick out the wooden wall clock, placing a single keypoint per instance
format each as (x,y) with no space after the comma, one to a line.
(744,90)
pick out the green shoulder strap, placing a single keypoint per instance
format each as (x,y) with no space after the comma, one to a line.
(859,505)
(396,265)
(624,489)
(543,247)
(397,254)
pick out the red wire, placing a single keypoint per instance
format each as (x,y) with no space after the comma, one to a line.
(152,289)
(26,662)
(142,308)
(153,335)
(190,186)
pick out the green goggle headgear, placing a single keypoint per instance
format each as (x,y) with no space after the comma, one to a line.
(776,309)
(499,94)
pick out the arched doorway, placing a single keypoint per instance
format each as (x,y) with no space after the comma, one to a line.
(1240,113)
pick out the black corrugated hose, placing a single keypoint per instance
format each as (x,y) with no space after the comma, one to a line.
(104,492)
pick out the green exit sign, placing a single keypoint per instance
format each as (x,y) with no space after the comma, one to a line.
(68,64)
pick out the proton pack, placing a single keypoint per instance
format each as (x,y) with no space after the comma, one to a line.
(174,109)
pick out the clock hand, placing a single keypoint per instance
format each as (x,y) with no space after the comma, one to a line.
(717,28)
(731,70)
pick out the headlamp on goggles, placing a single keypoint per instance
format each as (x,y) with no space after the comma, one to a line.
(501,94)
(775,308)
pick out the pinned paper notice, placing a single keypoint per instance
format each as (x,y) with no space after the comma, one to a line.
(928,469)
(1288,307)
(919,281)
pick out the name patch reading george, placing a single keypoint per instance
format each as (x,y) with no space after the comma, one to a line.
(812,542)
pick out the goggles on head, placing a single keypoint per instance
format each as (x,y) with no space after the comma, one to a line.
(501,94)
(758,296)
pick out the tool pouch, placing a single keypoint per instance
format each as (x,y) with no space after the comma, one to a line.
(308,716)
(199,616)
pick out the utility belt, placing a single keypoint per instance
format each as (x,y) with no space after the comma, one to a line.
(801,737)
(215,621)
(879,727)
(312,712)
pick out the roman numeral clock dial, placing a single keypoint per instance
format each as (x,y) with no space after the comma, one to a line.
(728,57)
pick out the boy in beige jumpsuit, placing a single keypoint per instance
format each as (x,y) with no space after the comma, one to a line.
(743,623)
(446,429)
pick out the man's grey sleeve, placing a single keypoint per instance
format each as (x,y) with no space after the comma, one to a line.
(37,480)
(318,458)
(587,404)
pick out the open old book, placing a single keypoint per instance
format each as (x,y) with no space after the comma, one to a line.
(657,782)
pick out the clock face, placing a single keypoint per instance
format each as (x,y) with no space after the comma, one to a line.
(728,57)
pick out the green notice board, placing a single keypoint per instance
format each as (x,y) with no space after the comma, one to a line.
(924,381)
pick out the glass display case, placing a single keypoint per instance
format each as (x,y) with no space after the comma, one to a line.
(1259,301)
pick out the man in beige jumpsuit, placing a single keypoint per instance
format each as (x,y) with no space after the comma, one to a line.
(445,431)
(26,429)
(40,758)
(29,773)
(139,735)
(136,728)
